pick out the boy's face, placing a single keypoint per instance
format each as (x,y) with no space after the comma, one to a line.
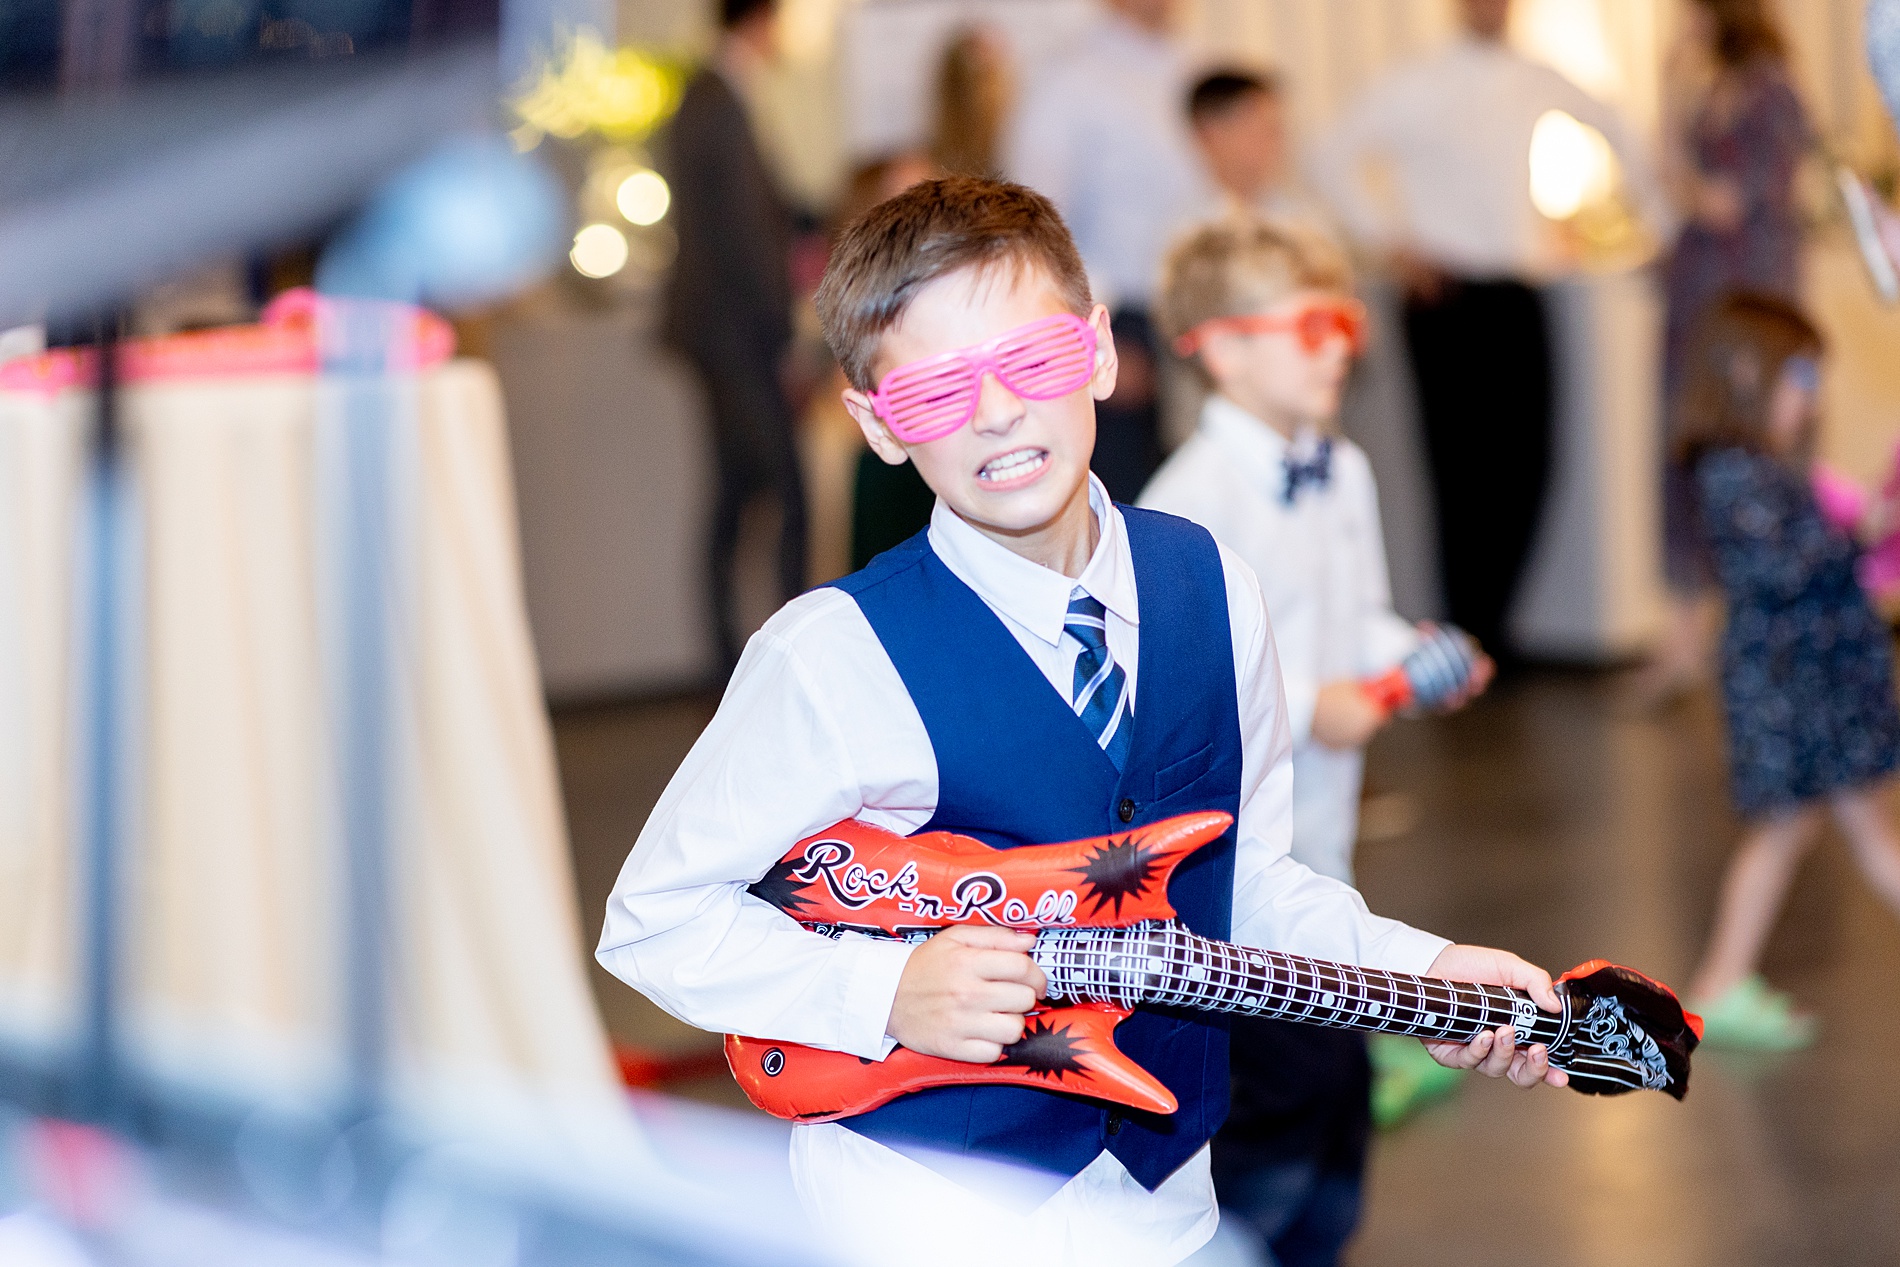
(1274,375)
(1245,145)
(1018,470)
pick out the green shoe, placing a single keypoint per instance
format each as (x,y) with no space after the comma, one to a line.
(1405,1079)
(1751,1017)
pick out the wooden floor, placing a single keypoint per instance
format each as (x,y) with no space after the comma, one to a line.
(1547,820)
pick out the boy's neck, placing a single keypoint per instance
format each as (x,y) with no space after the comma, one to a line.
(1285,424)
(1064,544)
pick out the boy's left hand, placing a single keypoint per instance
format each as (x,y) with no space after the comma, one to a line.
(1481,674)
(1483,669)
(1345,717)
(1495,1053)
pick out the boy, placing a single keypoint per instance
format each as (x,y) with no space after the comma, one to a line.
(1039,665)
(1266,311)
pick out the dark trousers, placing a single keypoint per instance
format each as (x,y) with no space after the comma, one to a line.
(1128,424)
(1290,1161)
(755,453)
(1481,359)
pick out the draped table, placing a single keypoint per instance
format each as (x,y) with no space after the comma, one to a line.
(233,944)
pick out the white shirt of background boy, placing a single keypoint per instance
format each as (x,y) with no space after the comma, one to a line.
(1321,565)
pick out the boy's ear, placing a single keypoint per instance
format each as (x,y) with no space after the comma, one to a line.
(876,434)
(1216,355)
(1107,364)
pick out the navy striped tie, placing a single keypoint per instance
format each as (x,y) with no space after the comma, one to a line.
(1100,693)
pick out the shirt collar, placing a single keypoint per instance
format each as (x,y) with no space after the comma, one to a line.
(1243,436)
(1036,597)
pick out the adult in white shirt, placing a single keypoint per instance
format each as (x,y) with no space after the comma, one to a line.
(1471,251)
(1101,133)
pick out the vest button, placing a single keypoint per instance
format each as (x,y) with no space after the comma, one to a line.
(1126,810)
(1114,1123)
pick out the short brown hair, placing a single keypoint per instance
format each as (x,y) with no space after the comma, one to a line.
(1744,32)
(1219,91)
(1736,356)
(1240,264)
(933,229)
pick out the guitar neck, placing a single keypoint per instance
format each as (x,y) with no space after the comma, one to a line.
(1165,965)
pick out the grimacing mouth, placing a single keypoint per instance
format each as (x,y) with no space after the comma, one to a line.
(1016,462)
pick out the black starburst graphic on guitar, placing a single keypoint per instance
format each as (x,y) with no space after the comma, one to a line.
(780,887)
(1119,870)
(1047,1050)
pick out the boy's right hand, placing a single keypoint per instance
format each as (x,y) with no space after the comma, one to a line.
(963,993)
(1344,716)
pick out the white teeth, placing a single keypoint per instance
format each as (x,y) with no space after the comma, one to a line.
(1011,465)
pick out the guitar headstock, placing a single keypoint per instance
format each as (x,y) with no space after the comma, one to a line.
(1627,1032)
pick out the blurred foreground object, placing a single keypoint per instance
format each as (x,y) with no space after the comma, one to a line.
(78,1196)
(494,1117)
(1876,233)
(235,957)
(102,197)
(1882,33)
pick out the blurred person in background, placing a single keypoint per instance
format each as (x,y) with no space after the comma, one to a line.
(1807,668)
(729,304)
(883,504)
(1735,136)
(975,93)
(1102,134)
(1238,120)
(1471,252)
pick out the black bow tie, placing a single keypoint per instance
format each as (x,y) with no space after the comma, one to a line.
(1316,470)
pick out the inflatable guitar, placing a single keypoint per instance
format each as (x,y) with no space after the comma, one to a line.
(1108,942)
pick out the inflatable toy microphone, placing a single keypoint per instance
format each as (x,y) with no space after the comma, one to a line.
(1436,670)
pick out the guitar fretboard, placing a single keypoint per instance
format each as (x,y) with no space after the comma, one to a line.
(1163,964)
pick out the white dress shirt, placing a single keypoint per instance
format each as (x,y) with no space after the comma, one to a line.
(1455,128)
(1321,566)
(816,726)
(1104,135)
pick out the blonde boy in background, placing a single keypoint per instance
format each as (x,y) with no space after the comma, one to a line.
(1265,311)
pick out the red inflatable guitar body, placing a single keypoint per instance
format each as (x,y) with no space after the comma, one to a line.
(859,878)
(1107,941)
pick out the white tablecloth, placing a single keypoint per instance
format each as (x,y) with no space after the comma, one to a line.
(234,946)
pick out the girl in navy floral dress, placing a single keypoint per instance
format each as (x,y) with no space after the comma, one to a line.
(1806,665)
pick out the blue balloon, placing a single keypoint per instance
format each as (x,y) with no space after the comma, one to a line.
(1883,50)
(470,223)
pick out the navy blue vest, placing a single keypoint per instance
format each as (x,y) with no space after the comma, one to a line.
(1016,766)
